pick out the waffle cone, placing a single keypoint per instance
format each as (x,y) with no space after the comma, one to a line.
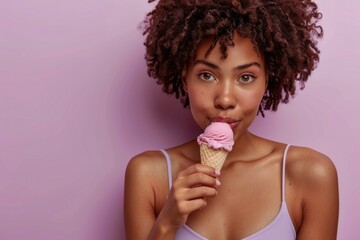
(212,157)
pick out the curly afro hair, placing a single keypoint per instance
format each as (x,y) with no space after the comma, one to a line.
(285,33)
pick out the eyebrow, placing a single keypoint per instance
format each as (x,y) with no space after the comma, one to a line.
(240,67)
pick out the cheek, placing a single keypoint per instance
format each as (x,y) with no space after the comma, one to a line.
(251,101)
(197,96)
(199,105)
(197,102)
(257,97)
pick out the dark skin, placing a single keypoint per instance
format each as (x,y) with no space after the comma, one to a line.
(250,180)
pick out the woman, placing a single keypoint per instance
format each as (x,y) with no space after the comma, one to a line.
(229,61)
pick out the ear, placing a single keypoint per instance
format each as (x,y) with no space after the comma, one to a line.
(183,79)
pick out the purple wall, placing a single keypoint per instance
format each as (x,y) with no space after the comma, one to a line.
(76,104)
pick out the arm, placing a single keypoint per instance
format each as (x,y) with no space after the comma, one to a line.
(139,214)
(143,185)
(321,200)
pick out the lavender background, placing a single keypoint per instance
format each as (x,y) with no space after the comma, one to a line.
(76,105)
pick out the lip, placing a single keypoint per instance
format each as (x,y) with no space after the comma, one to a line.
(232,122)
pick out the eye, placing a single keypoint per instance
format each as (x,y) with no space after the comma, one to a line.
(246,78)
(206,76)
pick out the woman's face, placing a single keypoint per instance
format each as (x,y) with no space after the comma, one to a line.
(227,90)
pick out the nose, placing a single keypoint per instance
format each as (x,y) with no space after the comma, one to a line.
(225,96)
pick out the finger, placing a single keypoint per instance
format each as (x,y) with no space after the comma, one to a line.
(200,192)
(197,179)
(190,206)
(197,168)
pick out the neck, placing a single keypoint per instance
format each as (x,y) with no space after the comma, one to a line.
(248,147)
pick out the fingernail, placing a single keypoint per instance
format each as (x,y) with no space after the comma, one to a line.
(217,182)
(217,172)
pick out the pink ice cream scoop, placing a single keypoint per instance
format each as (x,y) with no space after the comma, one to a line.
(215,144)
(218,135)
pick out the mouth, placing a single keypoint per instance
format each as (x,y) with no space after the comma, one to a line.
(232,122)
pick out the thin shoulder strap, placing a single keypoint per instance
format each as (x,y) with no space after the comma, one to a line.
(168,163)
(283,173)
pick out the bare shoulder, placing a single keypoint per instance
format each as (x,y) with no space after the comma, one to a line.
(146,160)
(146,166)
(145,185)
(313,193)
(310,168)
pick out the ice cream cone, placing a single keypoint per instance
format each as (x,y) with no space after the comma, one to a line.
(212,157)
